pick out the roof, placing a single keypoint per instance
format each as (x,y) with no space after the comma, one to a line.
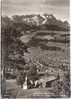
(49,78)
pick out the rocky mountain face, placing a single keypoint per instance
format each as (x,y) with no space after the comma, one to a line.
(44,21)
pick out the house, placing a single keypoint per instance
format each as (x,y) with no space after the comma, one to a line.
(43,81)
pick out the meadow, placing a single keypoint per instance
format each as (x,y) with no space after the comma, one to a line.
(52,49)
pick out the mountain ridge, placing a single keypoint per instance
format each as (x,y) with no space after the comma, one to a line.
(44,21)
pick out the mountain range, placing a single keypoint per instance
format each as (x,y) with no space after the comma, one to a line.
(44,21)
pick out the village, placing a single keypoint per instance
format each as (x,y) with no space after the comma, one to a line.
(41,76)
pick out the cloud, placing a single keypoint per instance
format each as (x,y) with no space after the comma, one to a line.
(33,2)
(58,7)
(57,2)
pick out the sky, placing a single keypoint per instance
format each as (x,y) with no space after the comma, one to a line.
(59,8)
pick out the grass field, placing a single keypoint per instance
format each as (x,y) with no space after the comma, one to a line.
(52,49)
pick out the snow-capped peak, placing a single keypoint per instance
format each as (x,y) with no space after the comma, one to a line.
(42,19)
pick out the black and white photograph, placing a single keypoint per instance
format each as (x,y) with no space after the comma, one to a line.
(35,49)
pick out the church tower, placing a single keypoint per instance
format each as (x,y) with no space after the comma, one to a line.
(25,86)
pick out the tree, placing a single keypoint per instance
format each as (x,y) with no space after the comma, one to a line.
(12,47)
(20,78)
